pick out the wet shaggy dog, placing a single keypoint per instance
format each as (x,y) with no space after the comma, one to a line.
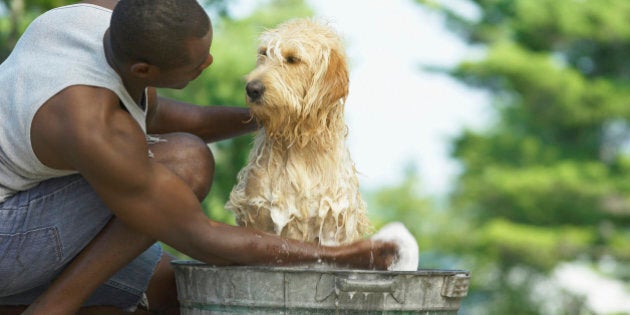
(300,181)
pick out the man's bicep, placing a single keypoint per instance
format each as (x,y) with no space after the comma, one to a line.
(113,154)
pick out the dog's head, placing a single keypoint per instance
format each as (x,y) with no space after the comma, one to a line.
(299,86)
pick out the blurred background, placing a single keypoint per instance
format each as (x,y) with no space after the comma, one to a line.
(496,130)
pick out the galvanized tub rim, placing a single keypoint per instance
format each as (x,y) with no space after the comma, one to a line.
(323,269)
(316,289)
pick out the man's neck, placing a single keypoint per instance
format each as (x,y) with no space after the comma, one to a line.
(134,88)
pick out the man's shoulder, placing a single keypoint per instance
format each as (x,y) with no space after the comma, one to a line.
(70,119)
(81,101)
(86,94)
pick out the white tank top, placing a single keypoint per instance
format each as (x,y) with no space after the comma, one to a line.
(61,48)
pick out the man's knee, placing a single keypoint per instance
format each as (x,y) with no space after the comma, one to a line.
(189,157)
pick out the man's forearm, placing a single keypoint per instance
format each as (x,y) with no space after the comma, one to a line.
(211,123)
(246,246)
(224,122)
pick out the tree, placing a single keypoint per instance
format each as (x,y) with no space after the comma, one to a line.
(17,15)
(548,182)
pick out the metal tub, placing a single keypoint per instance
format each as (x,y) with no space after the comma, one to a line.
(205,289)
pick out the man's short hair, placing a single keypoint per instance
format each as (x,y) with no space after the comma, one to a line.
(156,31)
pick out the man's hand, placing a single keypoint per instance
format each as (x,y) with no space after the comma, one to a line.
(366,254)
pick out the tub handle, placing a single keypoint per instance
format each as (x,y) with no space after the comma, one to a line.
(456,286)
(391,286)
(352,285)
(330,284)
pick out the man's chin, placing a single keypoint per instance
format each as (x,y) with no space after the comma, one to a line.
(179,86)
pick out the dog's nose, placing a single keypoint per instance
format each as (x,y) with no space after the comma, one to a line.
(255,90)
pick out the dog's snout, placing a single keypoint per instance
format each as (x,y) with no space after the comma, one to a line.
(255,89)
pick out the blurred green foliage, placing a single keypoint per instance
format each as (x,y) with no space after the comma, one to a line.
(15,15)
(548,182)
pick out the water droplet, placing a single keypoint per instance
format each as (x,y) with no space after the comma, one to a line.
(372,255)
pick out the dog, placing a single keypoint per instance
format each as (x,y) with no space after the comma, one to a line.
(300,181)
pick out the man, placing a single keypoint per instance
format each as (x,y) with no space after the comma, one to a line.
(85,193)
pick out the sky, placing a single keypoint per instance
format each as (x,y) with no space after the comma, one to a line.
(397,113)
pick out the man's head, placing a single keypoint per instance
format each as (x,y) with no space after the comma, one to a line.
(167,34)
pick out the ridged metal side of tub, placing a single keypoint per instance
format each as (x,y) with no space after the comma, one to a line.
(204,289)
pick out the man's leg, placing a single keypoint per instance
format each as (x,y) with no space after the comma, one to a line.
(160,290)
(117,245)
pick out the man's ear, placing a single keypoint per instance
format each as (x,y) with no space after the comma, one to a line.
(144,70)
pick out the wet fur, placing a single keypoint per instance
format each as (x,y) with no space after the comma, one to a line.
(300,181)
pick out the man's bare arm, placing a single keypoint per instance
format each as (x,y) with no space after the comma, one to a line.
(211,123)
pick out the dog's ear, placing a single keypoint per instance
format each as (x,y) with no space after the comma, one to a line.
(336,77)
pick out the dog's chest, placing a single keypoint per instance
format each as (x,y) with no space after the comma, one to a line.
(298,176)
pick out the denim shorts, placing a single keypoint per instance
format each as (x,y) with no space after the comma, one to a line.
(44,228)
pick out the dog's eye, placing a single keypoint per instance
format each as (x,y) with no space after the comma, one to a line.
(262,52)
(292,60)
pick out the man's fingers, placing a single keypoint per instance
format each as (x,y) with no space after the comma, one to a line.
(386,253)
